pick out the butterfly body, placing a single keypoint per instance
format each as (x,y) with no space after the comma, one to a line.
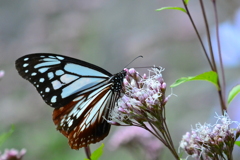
(82,94)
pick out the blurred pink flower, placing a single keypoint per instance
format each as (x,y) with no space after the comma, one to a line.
(132,137)
(1,73)
(12,154)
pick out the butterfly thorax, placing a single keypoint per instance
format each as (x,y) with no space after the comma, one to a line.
(117,80)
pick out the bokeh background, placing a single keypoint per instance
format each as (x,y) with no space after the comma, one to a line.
(109,34)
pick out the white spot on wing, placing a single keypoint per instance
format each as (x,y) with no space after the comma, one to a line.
(41,80)
(47,89)
(25,59)
(50,75)
(34,74)
(54,99)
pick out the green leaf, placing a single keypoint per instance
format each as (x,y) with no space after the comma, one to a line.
(233,93)
(210,76)
(237,143)
(97,153)
(4,136)
(175,8)
(186,1)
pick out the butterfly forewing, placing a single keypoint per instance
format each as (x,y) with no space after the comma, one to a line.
(82,94)
(59,79)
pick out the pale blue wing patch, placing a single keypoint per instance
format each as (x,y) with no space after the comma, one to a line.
(82,70)
(48,62)
(43,70)
(80,84)
(56,84)
(67,78)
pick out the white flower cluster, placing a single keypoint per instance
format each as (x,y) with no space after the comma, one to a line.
(207,140)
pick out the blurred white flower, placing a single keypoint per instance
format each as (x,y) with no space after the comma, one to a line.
(207,141)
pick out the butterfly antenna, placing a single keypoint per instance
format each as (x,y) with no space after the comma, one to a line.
(133,60)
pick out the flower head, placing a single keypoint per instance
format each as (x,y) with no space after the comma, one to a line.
(143,105)
(144,97)
(207,141)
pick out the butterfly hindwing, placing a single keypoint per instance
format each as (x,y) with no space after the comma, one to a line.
(86,122)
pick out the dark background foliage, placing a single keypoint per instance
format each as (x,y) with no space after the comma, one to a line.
(109,34)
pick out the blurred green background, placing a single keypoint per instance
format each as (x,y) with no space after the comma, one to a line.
(109,34)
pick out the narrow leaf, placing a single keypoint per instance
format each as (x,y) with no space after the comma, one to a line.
(175,8)
(97,153)
(233,93)
(237,143)
(4,136)
(186,1)
(210,76)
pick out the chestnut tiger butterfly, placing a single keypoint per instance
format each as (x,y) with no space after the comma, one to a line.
(82,94)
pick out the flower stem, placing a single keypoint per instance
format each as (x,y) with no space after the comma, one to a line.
(198,35)
(88,152)
(223,87)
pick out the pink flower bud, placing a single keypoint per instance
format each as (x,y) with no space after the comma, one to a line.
(144,76)
(125,82)
(122,110)
(126,70)
(163,86)
(132,71)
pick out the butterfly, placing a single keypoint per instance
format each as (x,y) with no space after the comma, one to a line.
(82,94)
